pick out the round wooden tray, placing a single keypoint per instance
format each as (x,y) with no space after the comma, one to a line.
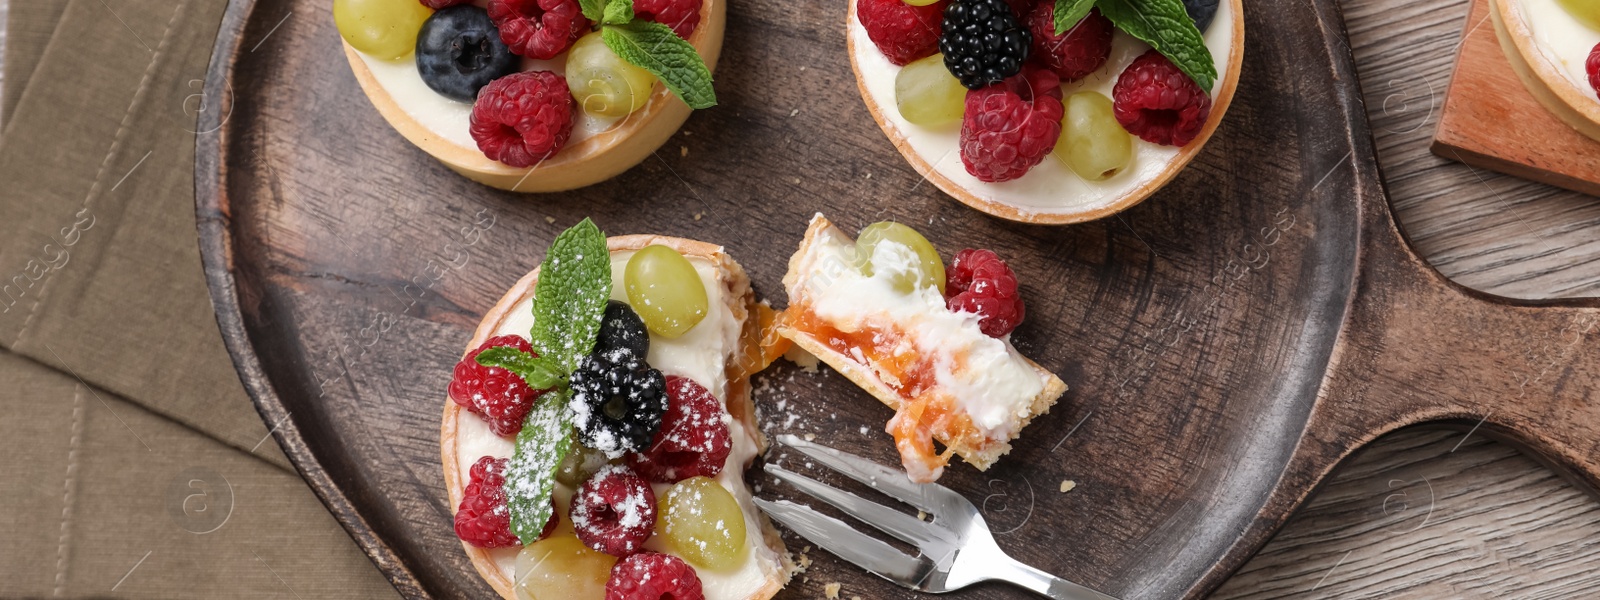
(1228,342)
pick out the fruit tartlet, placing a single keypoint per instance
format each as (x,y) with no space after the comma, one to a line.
(534,95)
(1554,46)
(1047,111)
(599,425)
(931,342)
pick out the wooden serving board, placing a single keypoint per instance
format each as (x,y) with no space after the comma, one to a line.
(1491,121)
(1227,342)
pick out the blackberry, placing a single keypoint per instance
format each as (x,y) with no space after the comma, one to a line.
(617,401)
(983,42)
(620,327)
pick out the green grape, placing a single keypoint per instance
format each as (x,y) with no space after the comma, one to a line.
(703,524)
(928,269)
(1093,144)
(665,290)
(1586,12)
(560,567)
(386,29)
(579,465)
(603,84)
(927,94)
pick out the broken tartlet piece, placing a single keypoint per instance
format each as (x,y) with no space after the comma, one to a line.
(600,423)
(931,343)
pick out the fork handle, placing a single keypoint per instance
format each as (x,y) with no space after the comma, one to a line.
(1045,584)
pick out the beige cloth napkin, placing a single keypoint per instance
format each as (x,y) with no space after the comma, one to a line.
(136,465)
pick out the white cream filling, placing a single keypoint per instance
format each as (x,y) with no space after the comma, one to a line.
(1561,39)
(987,378)
(450,119)
(699,354)
(1051,186)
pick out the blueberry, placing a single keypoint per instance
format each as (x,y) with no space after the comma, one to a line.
(620,327)
(1201,11)
(459,51)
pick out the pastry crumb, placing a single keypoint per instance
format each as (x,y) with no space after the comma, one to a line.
(794,112)
(922,516)
(683,150)
(811,437)
(699,215)
(831,590)
(1067,485)
(549,219)
(797,355)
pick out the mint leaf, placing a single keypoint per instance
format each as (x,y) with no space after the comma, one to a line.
(1166,26)
(655,48)
(574,284)
(541,373)
(1069,12)
(617,12)
(545,439)
(595,10)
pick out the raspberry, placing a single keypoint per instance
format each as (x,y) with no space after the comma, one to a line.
(1592,66)
(438,4)
(693,439)
(1021,8)
(523,118)
(902,32)
(1008,127)
(614,511)
(538,28)
(1159,103)
(681,15)
(653,576)
(1078,52)
(617,401)
(979,282)
(482,519)
(496,395)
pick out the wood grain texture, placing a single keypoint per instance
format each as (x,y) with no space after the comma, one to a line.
(1228,342)
(1414,515)
(1490,121)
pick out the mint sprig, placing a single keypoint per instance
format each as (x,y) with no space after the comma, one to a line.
(1069,12)
(541,373)
(1166,26)
(545,440)
(655,48)
(594,10)
(574,284)
(617,12)
(568,302)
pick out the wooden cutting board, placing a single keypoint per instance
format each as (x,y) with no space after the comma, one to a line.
(1492,122)
(1228,342)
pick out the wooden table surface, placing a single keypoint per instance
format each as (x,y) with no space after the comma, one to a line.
(1433,514)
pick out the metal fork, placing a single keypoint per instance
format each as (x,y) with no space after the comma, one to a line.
(956,547)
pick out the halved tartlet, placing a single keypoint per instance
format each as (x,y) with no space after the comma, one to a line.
(948,374)
(1548,47)
(719,353)
(1054,190)
(599,147)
